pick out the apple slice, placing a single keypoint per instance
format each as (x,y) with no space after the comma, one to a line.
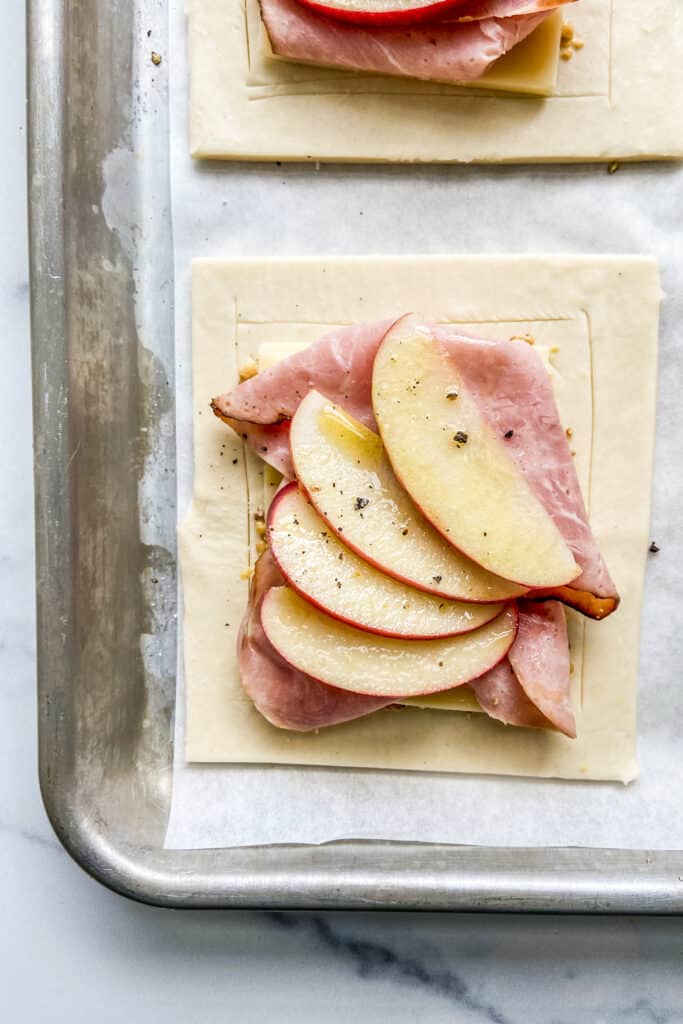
(455,466)
(351,659)
(383,12)
(343,468)
(320,568)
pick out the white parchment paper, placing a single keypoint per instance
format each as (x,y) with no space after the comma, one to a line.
(228,210)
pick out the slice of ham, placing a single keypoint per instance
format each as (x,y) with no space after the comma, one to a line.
(534,694)
(539,658)
(531,687)
(455,49)
(509,381)
(501,697)
(287,698)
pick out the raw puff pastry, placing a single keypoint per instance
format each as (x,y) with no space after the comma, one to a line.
(621,97)
(599,318)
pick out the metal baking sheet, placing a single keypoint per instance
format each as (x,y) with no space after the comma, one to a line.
(102,306)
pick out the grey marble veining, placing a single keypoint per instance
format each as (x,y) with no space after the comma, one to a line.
(72,951)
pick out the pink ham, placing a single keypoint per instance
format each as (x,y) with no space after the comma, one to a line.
(501,697)
(531,687)
(339,365)
(539,658)
(455,49)
(512,387)
(287,698)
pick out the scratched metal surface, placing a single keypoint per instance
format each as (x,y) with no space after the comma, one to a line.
(102,318)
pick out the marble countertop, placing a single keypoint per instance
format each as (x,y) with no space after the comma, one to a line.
(72,951)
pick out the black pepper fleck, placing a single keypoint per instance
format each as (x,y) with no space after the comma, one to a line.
(509,433)
(460,437)
(360,503)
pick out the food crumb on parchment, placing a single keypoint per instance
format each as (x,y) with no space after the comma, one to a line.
(654,548)
(569,42)
(569,432)
(156,58)
(613,167)
(246,574)
(528,338)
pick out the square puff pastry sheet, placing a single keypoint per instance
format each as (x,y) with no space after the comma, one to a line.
(620,97)
(598,318)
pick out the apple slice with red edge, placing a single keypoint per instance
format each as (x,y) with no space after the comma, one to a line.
(456,467)
(344,470)
(351,659)
(322,569)
(383,12)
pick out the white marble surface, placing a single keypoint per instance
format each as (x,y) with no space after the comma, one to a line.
(71,951)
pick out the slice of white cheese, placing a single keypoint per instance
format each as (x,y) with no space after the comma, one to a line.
(530,67)
(272,352)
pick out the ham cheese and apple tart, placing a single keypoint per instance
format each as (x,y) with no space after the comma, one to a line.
(428,532)
(451,41)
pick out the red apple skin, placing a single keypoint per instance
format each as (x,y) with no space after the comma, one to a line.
(397,696)
(385,19)
(272,512)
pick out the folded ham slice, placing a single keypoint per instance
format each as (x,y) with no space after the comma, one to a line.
(508,380)
(531,687)
(535,693)
(458,46)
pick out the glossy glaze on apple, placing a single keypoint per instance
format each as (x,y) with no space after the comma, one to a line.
(341,463)
(326,572)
